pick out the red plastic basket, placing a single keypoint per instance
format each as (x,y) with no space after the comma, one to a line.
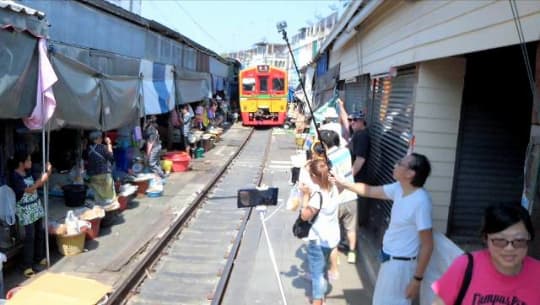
(93,232)
(180,160)
(123,201)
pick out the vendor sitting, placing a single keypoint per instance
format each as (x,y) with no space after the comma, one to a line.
(99,168)
(214,116)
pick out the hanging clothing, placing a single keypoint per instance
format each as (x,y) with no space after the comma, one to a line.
(45,100)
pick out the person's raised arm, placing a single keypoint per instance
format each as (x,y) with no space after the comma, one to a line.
(343,119)
(41,181)
(362,189)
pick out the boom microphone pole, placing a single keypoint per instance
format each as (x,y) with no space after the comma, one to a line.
(281,26)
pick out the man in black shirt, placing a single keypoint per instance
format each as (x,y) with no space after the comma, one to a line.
(359,146)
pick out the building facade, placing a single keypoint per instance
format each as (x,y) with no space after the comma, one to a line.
(439,78)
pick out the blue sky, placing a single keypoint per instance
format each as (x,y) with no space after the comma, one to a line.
(225,26)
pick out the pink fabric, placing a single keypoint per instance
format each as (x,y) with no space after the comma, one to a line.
(45,101)
(488,286)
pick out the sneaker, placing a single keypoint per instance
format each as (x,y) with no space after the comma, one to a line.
(43,262)
(28,273)
(351,257)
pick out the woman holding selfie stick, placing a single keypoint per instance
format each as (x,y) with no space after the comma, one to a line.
(320,204)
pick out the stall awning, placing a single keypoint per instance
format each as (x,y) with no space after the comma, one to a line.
(20,27)
(218,68)
(88,99)
(23,18)
(324,87)
(192,86)
(157,87)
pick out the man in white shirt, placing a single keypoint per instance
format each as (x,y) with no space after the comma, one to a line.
(408,241)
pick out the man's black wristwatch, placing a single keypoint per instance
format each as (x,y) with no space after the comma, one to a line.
(418,278)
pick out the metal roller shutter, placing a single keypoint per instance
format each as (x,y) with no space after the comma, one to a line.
(390,119)
(357,94)
(494,133)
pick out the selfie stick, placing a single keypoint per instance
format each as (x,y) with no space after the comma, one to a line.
(262,210)
(281,26)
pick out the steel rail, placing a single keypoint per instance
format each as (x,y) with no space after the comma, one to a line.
(227,271)
(123,291)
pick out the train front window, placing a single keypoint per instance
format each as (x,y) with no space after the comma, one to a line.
(248,84)
(278,84)
(263,84)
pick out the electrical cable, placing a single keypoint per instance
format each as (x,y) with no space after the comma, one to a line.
(197,23)
(522,43)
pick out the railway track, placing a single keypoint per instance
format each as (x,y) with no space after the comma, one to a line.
(193,260)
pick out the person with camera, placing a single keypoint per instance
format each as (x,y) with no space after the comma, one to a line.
(320,202)
(501,274)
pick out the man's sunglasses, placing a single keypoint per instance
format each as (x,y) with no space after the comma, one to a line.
(354,120)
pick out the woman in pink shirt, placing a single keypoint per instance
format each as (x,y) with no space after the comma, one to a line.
(502,273)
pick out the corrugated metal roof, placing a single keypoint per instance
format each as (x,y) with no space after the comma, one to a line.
(19,8)
(151,24)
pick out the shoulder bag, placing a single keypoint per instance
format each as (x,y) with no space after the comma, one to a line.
(301,227)
(466,279)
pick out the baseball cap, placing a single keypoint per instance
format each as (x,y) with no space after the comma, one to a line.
(357,115)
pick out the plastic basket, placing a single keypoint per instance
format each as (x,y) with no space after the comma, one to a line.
(74,194)
(93,232)
(143,186)
(180,160)
(69,245)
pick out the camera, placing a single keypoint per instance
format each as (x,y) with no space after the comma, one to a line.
(281,26)
(253,197)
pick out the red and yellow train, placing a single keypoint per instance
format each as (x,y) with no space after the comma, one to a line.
(263,96)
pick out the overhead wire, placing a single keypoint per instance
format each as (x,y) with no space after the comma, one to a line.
(522,43)
(197,23)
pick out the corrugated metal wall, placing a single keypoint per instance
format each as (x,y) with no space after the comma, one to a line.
(390,120)
(111,33)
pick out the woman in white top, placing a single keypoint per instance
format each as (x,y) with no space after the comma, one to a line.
(320,201)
